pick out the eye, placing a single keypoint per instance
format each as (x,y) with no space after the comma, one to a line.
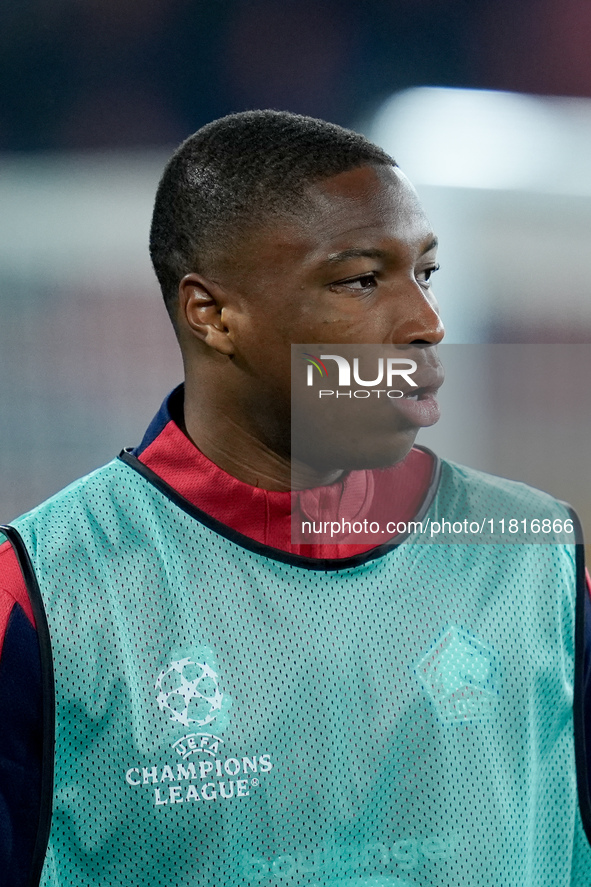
(360,284)
(424,276)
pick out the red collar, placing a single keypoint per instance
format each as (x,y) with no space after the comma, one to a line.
(393,494)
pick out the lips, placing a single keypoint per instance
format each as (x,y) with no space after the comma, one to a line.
(420,409)
(428,377)
(419,405)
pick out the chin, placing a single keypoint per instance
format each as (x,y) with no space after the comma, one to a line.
(381,460)
(365,458)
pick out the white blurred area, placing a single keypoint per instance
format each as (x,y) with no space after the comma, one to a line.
(87,352)
(79,217)
(86,348)
(506,181)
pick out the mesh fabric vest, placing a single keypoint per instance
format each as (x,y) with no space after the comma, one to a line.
(228,715)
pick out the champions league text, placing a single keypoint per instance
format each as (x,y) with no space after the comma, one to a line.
(194,781)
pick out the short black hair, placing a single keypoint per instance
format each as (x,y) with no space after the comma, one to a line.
(235,173)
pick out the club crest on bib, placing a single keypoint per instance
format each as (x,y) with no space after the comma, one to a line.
(189,690)
(461,676)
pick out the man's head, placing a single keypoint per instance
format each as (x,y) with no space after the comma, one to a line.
(271,230)
(234,175)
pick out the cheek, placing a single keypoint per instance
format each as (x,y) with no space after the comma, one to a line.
(297,316)
(263,356)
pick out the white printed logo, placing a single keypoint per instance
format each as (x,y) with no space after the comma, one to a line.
(189,692)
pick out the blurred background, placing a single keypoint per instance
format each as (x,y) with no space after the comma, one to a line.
(486,104)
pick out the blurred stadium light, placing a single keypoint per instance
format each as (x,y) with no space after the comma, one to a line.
(75,216)
(506,181)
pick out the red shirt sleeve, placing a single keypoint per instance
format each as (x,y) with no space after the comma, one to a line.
(12,589)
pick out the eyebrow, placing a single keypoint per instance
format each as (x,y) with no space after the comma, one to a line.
(431,245)
(344,255)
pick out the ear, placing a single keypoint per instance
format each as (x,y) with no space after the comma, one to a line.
(201,310)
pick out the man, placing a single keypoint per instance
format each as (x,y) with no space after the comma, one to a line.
(231,707)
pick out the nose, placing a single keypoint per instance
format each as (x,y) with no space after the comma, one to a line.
(418,320)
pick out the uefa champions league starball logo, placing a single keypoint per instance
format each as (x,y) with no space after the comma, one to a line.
(189,692)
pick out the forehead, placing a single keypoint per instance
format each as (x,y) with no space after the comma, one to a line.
(366,198)
(370,207)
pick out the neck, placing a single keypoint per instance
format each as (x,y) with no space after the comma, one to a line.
(226,437)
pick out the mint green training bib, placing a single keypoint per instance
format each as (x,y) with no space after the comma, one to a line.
(227,715)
